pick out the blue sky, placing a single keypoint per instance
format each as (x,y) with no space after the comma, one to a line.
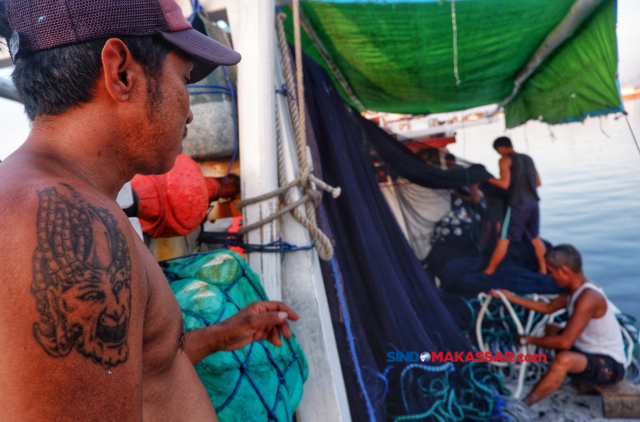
(14,126)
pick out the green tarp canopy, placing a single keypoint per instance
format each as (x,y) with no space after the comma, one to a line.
(408,56)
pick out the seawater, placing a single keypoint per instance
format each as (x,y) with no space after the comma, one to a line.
(590,193)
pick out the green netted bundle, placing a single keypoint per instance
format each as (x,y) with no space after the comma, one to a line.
(260,382)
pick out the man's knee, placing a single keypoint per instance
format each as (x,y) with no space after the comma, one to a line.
(569,361)
(563,361)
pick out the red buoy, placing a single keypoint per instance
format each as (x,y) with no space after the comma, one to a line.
(175,203)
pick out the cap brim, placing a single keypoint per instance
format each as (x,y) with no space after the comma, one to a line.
(208,53)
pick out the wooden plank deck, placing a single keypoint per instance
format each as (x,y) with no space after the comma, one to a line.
(619,400)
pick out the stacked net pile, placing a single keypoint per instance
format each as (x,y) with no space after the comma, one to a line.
(260,382)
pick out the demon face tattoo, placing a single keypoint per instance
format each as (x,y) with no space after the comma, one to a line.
(82,279)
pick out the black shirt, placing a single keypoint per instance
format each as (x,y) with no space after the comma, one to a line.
(522,187)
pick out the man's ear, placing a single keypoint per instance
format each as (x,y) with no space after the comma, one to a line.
(564,270)
(118,70)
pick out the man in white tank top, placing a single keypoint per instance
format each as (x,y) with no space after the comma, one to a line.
(590,346)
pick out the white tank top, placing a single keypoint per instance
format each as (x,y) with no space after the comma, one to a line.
(602,335)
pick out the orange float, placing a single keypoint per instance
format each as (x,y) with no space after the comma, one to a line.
(175,203)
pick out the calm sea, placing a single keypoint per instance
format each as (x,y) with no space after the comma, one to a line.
(590,193)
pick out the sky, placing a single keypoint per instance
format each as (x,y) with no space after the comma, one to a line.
(14,126)
(629,42)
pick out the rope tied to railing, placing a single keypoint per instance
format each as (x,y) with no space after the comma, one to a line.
(306,181)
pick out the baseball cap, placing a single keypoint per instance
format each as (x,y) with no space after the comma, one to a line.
(45,24)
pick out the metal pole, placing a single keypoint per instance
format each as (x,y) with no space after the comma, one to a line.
(325,395)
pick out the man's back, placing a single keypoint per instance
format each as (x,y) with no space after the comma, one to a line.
(522,187)
(89,328)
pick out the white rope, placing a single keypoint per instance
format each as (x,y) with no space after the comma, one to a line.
(455,41)
(519,328)
(307,179)
(537,330)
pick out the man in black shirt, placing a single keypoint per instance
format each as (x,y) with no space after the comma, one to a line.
(519,177)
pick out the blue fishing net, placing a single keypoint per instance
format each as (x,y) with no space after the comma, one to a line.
(458,264)
(260,382)
(380,298)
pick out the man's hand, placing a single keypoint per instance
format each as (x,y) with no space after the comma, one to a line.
(552,329)
(258,321)
(507,294)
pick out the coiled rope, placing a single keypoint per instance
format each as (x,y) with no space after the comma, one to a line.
(494,332)
(307,181)
(477,396)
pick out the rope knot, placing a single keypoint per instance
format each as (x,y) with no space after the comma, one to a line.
(306,181)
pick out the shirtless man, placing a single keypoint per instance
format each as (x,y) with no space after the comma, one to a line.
(519,177)
(590,346)
(89,328)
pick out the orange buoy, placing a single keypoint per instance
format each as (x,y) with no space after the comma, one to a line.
(175,203)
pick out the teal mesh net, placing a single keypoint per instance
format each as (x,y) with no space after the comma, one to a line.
(260,382)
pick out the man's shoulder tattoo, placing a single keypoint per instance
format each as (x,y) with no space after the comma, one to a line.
(81,279)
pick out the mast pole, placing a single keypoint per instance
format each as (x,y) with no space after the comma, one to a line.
(253,32)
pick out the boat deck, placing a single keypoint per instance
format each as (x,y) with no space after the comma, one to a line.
(566,405)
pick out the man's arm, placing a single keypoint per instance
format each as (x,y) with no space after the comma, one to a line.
(505,174)
(75,352)
(539,306)
(586,307)
(257,321)
(476,197)
(459,195)
(473,197)
(538,181)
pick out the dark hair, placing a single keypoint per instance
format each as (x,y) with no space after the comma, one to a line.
(450,157)
(564,255)
(502,141)
(52,81)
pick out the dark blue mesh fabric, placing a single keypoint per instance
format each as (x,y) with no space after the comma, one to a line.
(458,264)
(408,165)
(389,301)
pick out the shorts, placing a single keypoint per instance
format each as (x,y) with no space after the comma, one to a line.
(521,221)
(601,369)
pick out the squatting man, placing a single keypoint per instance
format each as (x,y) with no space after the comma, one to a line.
(590,346)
